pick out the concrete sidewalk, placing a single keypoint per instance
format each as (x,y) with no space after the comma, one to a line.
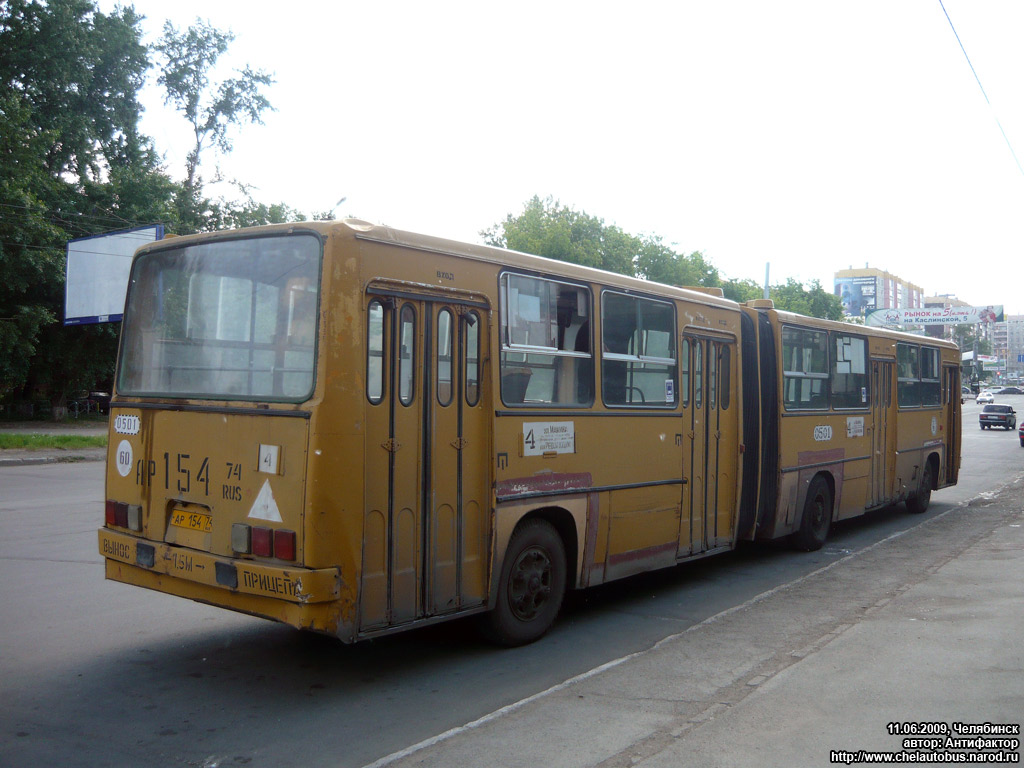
(925,626)
(18,457)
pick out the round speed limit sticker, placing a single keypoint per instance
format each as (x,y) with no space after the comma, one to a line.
(124,458)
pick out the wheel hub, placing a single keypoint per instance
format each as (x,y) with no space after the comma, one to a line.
(530,583)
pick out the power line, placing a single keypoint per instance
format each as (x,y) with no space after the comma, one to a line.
(978,79)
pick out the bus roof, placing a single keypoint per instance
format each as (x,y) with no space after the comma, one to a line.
(855,328)
(501,257)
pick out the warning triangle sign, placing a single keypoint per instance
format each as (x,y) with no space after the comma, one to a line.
(265,508)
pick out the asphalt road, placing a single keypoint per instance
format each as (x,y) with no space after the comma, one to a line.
(96,673)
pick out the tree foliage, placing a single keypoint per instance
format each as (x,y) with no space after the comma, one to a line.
(792,296)
(548,228)
(69,150)
(189,58)
(73,163)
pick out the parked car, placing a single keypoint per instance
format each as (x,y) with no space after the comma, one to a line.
(996,415)
(1020,434)
(1010,391)
(985,397)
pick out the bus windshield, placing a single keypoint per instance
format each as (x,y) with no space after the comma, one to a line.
(231,319)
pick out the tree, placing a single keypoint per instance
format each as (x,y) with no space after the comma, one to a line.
(742,290)
(79,71)
(29,241)
(73,163)
(792,296)
(70,152)
(659,263)
(250,213)
(211,109)
(548,228)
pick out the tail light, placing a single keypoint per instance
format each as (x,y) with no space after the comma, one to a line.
(124,515)
(117,513)
(284,544)
(263,542)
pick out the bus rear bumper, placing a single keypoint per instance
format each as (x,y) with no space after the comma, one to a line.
(301,586)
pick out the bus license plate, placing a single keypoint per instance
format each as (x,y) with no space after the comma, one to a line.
(194,521)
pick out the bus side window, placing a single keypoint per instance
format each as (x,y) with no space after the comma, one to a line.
(684,383)
(406,355)
(638,366)
(724,376)
(444,357)
(375,352)
(472,359)
(545,342)
(908,375)
(805,369)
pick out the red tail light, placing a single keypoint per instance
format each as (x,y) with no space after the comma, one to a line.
(117,513)
(262,542)
(284,544)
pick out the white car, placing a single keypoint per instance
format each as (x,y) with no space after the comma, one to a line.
(985,397)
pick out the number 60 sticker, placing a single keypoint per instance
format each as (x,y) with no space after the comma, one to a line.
(123,459)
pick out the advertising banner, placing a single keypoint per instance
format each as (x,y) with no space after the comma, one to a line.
(936,316)
(857,295)
(96,276)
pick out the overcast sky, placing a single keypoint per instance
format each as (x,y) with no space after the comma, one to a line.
(809,134)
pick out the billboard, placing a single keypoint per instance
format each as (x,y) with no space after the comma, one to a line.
(856,294)
(936,316)
(97,274)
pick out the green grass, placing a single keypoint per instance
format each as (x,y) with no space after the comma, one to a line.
(38,442)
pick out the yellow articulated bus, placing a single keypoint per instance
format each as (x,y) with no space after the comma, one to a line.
(356,430)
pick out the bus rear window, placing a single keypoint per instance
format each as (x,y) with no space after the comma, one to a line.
(233,319)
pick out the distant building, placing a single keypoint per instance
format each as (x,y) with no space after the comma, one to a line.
(1008,345)
(864,290)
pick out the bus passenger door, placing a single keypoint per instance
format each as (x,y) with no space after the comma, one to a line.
(883,432)
(390,590)
(693,523)
(953,423)
(457,463)
(426,521)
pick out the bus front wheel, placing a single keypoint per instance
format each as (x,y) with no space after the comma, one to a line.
(532,586)
(817,517)
(918,503)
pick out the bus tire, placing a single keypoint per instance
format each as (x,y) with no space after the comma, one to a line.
(817,517)
(532,586)
(918,502)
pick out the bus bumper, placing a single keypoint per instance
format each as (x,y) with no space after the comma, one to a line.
(300,586)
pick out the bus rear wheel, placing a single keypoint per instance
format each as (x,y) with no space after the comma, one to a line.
(532,586)
(817,517)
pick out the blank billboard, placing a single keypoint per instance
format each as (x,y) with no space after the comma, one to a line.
(97,274)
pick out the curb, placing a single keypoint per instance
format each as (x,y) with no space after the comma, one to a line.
(27,461)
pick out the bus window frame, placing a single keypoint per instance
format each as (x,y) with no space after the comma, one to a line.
(865,403)
(473,325)
(922,386)
(905,383)
(805,375)
(376,356)
(166,247)
(507,347)
(671,363)
(410,362)
(445,352)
